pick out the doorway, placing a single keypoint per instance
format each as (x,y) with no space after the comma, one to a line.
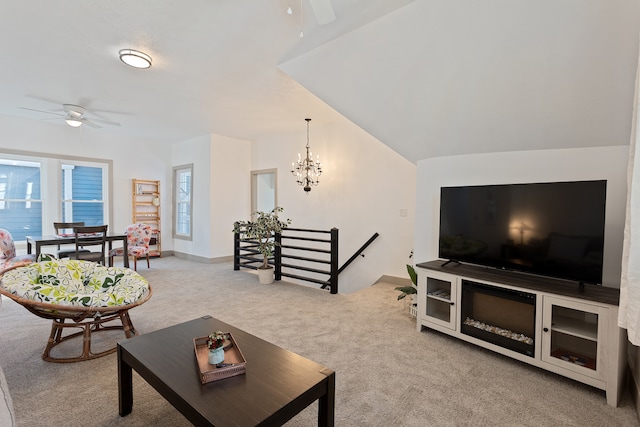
(263,190)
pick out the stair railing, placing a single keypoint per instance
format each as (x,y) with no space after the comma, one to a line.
(316,258)
(302,254)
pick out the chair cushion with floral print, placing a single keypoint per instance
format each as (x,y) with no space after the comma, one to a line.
(8,257)
(75,283)
(138,239)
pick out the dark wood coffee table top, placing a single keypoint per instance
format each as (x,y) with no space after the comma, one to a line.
(276,386)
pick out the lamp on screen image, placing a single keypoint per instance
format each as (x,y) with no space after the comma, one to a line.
(521,228)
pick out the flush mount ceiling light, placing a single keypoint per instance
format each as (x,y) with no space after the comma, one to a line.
(135,58)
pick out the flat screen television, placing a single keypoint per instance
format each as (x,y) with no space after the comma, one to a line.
(552,229)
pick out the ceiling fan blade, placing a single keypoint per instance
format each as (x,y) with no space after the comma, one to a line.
(43,111)
(323,11)
(76,113)
(90,123)
(105,122)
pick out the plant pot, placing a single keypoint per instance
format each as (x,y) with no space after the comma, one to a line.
(413,307)
(265,275)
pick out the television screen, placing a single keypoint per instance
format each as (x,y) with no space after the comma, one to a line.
(552,229)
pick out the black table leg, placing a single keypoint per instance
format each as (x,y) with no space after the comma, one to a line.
(326,403)
(125,245)
(125,385)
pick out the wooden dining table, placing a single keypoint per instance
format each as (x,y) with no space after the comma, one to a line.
(54,240)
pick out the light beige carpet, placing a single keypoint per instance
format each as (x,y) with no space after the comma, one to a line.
(387,373)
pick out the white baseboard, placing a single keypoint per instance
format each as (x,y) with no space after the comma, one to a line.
(201,259)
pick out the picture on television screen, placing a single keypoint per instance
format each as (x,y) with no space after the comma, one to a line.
(552,229)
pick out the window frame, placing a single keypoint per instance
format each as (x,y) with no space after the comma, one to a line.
(51,183)
(63,164)
(176,170)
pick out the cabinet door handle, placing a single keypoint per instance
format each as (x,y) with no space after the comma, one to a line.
(451,303)
(545,329)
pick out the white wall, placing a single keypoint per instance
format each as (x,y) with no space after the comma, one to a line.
(363,188)
(132,158)
(221,177)
(230,188)
(196,151)
(608,163)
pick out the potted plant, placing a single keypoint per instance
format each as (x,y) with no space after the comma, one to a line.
(410,290)
(216,347)
(262,231)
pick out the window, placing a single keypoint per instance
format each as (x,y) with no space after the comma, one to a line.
(35,191)
(82,194)
(182,202)
(20,198)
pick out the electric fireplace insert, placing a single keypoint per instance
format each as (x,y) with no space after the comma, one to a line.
(503,317)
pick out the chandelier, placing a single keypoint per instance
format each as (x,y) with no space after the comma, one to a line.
(306,170)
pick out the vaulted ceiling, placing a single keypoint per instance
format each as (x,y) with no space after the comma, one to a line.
(426,77)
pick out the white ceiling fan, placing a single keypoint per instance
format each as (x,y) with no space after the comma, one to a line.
(74,116)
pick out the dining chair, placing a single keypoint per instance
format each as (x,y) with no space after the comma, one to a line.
(65,229)
(90,243)
(8,256)
(138,240)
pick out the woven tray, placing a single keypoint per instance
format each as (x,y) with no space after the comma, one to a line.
(232,356)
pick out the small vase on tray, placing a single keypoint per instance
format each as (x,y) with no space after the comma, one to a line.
(216,347)
(216,355)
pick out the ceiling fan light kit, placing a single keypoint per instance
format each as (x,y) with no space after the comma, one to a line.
(135,58)
(74,123)
(74,115)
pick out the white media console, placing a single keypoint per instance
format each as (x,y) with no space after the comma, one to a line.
(549,323)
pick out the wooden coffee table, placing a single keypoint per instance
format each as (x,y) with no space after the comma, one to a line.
(276,386)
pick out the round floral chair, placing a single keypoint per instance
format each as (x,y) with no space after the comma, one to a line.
(138,239)
(86,294)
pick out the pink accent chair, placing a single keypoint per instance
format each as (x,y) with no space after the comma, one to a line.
(8,257)
(138,239)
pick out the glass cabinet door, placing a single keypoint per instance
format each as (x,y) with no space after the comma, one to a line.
(571,335)
(437,296)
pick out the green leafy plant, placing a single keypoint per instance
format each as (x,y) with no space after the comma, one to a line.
(261,231)
(216,339)
(409,290)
